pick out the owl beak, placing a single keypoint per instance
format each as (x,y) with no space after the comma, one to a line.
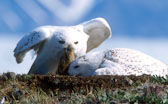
(69,53)
(69,48)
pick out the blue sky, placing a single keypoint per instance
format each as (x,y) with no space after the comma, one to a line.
(135,18)
(146,20)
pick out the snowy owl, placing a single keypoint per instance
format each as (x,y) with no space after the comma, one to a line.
(117,61)
(51,42)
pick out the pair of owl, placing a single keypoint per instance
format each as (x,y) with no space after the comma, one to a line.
(59,46)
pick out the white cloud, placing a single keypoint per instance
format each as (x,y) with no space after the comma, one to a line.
(71,13)
(11,19)
(33,10)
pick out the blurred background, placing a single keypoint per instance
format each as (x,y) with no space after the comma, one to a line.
(140,25)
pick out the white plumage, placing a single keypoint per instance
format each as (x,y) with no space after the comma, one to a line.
(3,100)
(118,61)
(50,43)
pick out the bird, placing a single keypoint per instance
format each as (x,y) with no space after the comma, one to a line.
(51,43)
(117,61)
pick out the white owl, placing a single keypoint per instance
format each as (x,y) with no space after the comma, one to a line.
(117,61)
(50,43)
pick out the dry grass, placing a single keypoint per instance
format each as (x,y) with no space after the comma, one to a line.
(48,89)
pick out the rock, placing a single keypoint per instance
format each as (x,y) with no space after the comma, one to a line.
(17,93)
(19,77)
(130,82)
(4,77)
(11,75)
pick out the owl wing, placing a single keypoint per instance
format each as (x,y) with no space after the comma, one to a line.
(98,30)
(32,40)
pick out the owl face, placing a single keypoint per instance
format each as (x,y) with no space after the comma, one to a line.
(66,37)
(80,67)
(87,64)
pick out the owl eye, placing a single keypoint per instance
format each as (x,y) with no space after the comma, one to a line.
(76,42)
(61,42)
(76,66)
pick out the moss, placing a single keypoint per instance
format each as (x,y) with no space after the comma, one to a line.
(98,89)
